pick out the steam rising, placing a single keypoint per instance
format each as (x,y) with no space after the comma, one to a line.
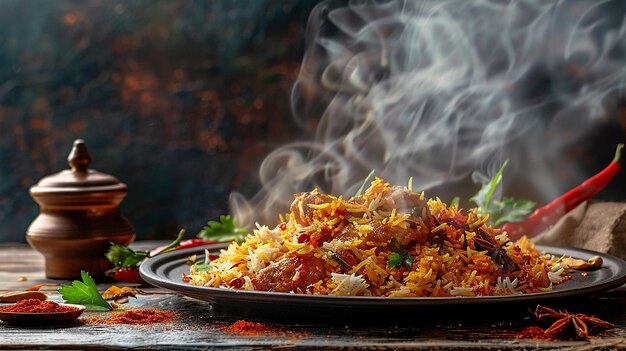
(440,90)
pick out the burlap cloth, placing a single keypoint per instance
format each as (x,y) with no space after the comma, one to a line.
(597,226)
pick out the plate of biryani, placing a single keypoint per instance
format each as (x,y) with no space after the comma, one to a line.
(389,247)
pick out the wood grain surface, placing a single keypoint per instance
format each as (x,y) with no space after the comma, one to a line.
(198,326)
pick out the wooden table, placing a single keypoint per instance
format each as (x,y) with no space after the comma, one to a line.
(200,327)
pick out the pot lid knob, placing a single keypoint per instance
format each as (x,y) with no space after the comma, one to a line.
(79,178)
(78,158)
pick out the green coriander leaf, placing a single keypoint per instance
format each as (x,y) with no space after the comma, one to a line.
(124,257)
(394,260)
(203,267)
(206,265)
(400,256)
(84,293)
(483,197)
(500,211)
(510,210)
(224,230)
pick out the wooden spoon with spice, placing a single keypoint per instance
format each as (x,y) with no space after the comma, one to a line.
(40,312)
(15,296)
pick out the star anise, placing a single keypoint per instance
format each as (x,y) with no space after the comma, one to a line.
(483,241)
(570,326)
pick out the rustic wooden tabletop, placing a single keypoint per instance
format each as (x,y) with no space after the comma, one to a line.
(198,326)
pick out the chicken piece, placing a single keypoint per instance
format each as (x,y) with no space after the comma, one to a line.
(405,202)
(304,213)
(381,233)
(290,274)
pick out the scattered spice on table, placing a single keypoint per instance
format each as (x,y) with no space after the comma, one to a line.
(138,316)
(249,328)
(38,306)
(39,286)
(119,295)
(533,332)
(565,326)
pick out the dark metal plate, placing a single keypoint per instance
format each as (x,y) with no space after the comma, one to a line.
(166,271)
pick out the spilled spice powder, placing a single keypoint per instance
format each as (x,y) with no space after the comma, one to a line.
(38,306)
(140,316)
(533,332)
(248,328)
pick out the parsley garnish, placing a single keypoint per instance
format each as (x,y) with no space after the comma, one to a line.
(125,257)
(400,256)
(500,211)
(224,230)
(483,197)
(206,266)
(509,210)
(203,267)
(84,293)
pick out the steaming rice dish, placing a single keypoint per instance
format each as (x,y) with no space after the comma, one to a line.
(389,241)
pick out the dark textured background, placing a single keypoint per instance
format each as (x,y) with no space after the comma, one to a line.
(181,100)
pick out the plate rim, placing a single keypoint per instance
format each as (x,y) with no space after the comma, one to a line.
(148,271)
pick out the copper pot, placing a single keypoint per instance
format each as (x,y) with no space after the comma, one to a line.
(79,218)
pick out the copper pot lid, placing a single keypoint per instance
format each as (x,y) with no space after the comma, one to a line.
(79,178)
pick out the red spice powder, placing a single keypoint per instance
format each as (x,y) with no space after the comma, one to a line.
(38,306)
(141,316)
(244,327)
(534,332)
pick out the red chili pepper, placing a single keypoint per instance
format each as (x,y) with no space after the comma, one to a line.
(128,275)
(547,215)
(236,283)
(194,242)
(319,238)
(303,238)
